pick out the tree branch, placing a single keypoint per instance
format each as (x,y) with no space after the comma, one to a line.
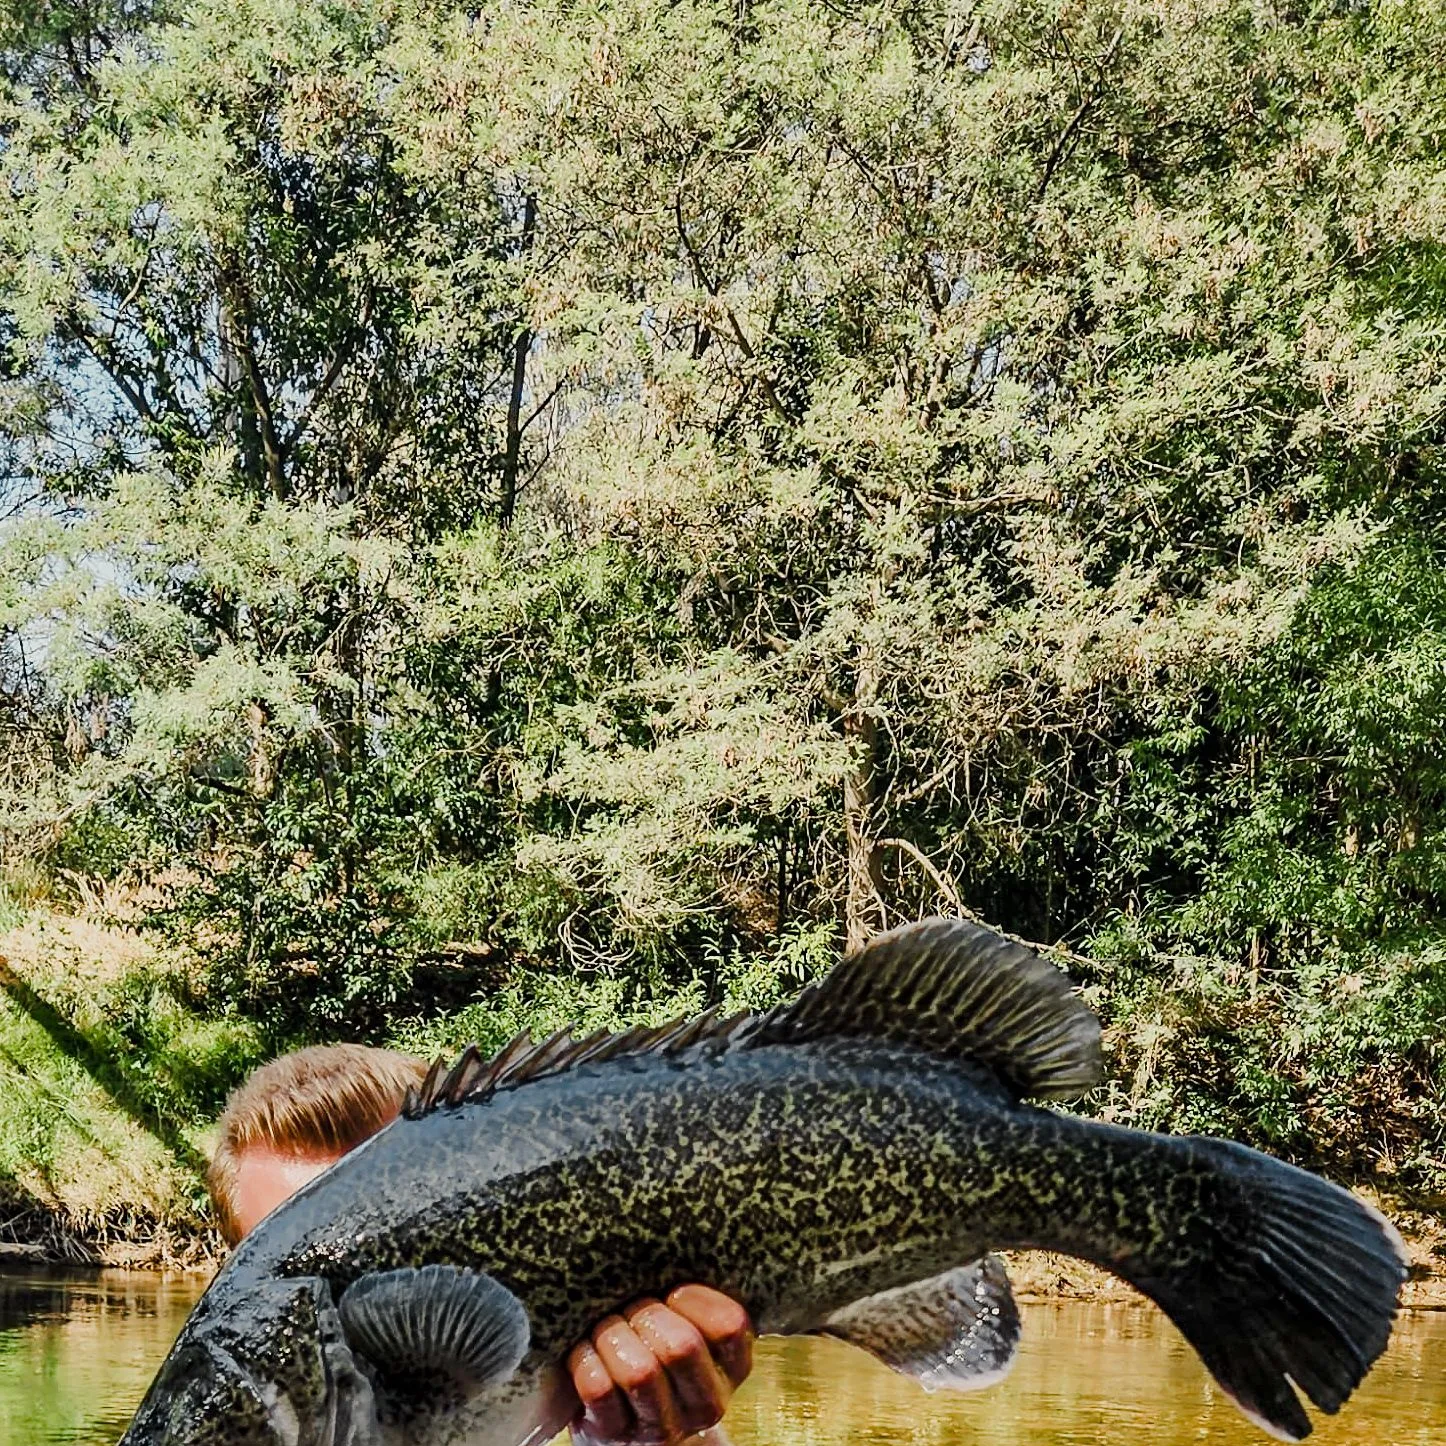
(273,451)
(1066,136)
(711,287)
(951,894)
(941,880)
(222,786)
(541,407)
(103,354)
(330,377)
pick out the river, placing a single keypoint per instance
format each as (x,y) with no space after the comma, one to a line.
(77,1350)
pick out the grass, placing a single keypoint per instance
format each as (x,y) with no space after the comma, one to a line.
(109,1080)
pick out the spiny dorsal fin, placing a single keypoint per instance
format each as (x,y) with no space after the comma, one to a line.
(950,987)
(521,1060)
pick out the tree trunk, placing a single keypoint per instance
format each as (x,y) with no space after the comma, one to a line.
(261,765)
(241,415)
(864,907)
(512,456)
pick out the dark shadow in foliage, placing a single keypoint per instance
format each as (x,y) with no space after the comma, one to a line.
(104,1070)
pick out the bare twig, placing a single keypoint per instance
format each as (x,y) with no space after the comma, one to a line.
(941,880)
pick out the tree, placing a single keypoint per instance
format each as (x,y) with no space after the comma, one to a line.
(608,485)
(240,401)
(994,390)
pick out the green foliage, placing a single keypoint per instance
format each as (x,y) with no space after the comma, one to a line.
(572,516)
(537,1002)
(1321,1033)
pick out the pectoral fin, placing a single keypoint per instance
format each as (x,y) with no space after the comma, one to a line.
(435,1329)
(957,1331)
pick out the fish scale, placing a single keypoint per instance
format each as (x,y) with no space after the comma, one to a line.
(845,1163)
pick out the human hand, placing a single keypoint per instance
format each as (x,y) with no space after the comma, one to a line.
(660,1371)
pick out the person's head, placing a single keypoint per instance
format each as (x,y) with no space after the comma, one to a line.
(294,1118)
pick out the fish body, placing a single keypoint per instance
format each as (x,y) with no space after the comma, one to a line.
(844,1164)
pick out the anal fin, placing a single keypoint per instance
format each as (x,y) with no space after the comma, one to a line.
(957,1331)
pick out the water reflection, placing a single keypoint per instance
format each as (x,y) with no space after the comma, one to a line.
(1086,1375)
(77,1352)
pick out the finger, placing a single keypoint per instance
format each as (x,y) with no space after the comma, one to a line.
(723,1323)
(605,1415)
(639,1375)
(700,1389)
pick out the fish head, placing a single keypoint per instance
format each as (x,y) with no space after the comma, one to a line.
(267,1368)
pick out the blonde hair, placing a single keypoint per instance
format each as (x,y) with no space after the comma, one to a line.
(317,1102)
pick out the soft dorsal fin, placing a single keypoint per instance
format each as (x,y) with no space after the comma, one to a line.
(953,988)
(958,990)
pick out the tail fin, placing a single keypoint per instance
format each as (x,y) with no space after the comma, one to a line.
(1293,1283)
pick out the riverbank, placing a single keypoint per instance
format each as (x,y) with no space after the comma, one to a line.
(112,1078)
(1041,1277)
(1038,1277)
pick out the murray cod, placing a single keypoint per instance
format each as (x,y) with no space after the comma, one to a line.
(843,1163)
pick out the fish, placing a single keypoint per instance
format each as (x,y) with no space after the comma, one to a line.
(847,1163)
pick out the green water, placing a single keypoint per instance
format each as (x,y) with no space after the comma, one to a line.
(77,1351)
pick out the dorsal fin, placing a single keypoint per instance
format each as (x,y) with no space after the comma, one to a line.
(950,987)
(958,990)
